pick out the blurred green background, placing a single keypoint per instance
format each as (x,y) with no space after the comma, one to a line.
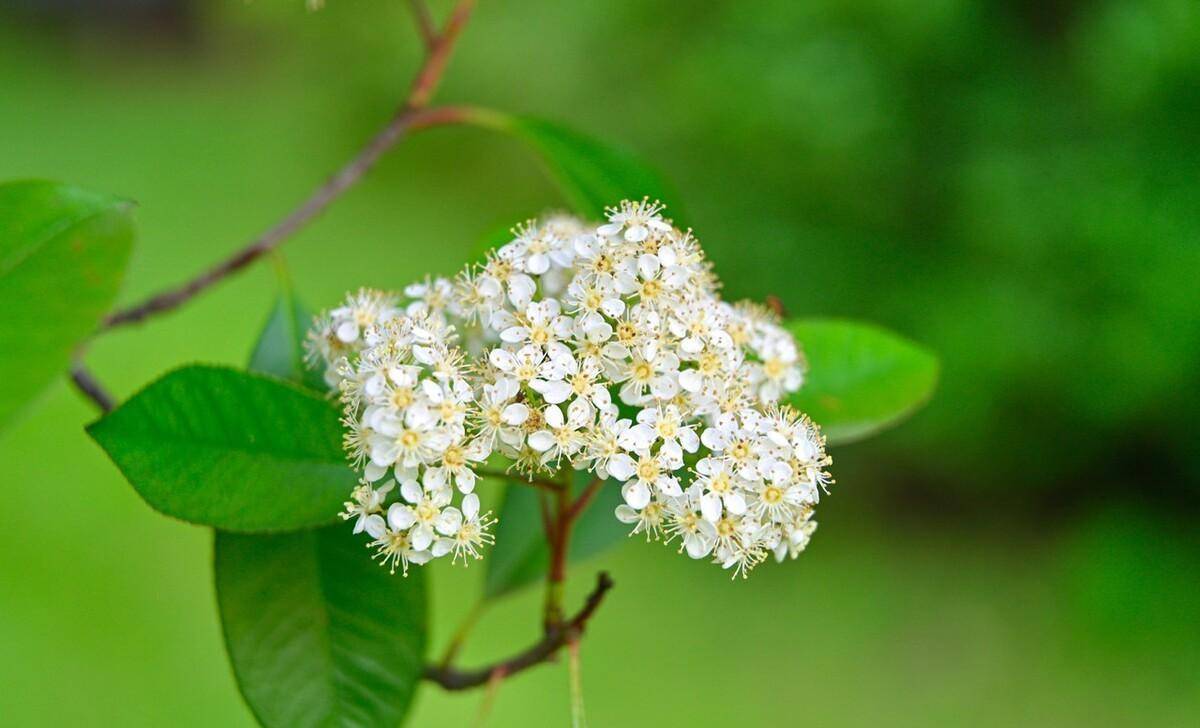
(1016,185)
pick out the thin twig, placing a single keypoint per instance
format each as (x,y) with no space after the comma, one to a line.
(424,22)
(453,679)
(92,389)
(489,697)
(430,74)
(585,498)
(460,634)
(412,115)
(575,677)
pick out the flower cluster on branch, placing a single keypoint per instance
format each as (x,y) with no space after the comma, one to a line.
(604,348)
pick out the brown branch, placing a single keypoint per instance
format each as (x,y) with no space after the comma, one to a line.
(424,22)
(411,116)
(453,679)
(430,75)
(585,498)
(90,387)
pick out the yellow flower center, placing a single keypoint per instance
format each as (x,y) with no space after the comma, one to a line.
(719,483)
(774,368)
(401,397)
(454,457)
(647,469)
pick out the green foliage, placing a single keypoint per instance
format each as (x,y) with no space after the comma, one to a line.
(232,450)
(280,347)
(318,634)
(590,173)
(861,378)
(521,557)
(63,252)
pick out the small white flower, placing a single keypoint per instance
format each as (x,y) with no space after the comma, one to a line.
(367,501)
(637,219)
(563,436)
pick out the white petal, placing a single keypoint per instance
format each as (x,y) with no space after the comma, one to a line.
(411,490)
(449,522)
(538,263)
(347,331)
(735,503)
(502,360)
(697,547)
(515,414)
(553,392)
(636,494)
(542,440)
(648,266)
(375,525)
(514,334)
(625,514)
(400,517)
(554,416)
(621,467)
(373,472)
(470,506)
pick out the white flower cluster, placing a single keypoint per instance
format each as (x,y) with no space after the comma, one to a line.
(406,402)
(604,349)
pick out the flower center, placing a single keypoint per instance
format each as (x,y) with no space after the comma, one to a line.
(719,483)
(774,368)
(409,439)
(710,364)
(401,397)
(454,457)
(647,470)
(772,495)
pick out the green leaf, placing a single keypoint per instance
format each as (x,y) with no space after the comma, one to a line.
(63,253)
(521,557)
(590,173)
(280,347)
(861,378)
(232,450)
(318,634)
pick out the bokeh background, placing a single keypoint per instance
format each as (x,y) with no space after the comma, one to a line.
(1014,184)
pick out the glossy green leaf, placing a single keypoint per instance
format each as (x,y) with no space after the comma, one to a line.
(318,633)
(861,378)
(521,557)
(232,450)
(590,173)
(63,253)
(280,347)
